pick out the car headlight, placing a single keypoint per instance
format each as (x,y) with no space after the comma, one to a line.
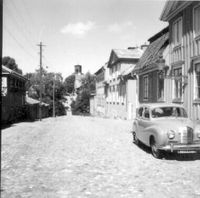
(171,134)
(198,134)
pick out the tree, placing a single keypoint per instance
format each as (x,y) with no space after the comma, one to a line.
(11,64)
(82,103)
(69,84)
(48,81)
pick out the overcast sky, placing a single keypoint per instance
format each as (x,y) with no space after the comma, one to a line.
(76,31)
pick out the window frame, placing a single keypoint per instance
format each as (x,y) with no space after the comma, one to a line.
(146,89)
(162,97)
(194,33)
(178,99)
(195,81)
(175,43)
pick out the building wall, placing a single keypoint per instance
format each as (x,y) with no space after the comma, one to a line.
(190,53)
(116,110)
(14,99)
(132,99)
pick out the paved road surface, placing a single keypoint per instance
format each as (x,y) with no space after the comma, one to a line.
(71,157)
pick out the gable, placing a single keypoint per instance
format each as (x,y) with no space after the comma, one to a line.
(113,58)
(172,8)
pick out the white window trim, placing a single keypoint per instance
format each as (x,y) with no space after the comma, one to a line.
(160,99)
(173,85)
(194,80)
(194,35)
(146,76)
(181,40)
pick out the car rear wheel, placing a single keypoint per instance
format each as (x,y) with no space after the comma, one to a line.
(155,151)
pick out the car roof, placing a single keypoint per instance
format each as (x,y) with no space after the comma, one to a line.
(154,105)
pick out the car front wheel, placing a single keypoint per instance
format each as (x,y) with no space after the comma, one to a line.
(155,151)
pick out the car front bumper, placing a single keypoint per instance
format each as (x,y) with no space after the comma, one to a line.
(181,147)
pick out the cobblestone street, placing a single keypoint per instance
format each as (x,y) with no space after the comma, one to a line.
(72,156)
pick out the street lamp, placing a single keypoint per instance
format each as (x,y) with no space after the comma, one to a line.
(163,68)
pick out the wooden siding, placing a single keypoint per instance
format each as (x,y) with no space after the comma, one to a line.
(152,88)
(191,51)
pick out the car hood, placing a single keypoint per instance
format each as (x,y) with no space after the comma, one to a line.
(173,123)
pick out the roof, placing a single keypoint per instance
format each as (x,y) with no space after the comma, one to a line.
(154,50)
(6,70)
(128,71)
(130,54)
(135,53)
(172,8)
(32,101)
(99,70)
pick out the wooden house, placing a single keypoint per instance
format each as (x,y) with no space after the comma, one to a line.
(151,83)
(121,97)
(100,95)
(184,54)
(13,95)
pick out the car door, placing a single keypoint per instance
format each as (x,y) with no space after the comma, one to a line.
(145,122)
(139,119)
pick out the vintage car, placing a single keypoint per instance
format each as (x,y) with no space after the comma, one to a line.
(166,127)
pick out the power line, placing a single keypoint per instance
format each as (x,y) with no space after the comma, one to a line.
(18,43)
(20,27)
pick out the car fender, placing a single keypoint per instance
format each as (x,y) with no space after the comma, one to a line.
(155,132)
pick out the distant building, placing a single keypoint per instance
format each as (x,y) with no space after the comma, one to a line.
(78,77)
(98,106)
(13,95)
(121,94)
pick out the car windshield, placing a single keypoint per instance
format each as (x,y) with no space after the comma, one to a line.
(168,112)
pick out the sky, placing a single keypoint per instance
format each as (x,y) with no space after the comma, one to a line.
(76,31)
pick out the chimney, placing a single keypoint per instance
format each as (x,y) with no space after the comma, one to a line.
(78,69)
(144,47)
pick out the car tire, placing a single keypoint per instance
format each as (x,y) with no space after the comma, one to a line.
(155,151)
(135,139)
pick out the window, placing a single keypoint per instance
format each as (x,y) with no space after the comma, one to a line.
(4,88)
(197,21)
(197,81)
(178,83)
(159,112)
(146,113)
(146,90)
(177,31)
(160,87)
(140,111)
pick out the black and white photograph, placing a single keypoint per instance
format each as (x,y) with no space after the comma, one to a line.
(100,99)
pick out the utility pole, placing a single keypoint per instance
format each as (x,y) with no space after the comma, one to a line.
(40,107)
(54,95)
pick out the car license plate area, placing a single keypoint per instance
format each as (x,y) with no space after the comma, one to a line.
(183,152)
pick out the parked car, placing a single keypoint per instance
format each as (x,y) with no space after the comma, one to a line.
(166,128)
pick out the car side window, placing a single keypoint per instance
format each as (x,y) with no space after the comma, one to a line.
(146,113)
(140,111)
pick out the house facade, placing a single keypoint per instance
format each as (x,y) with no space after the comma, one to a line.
(13,95)
(121,94)
(101,91)
(152,85)
(184,54)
